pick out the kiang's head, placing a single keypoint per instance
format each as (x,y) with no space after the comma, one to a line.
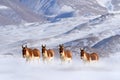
(61,48)
(82,52)
(24,49)
(43,48)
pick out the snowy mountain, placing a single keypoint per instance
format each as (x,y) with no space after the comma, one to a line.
(72,7)
(12,12)
(50,7)
(88,32)
(84,7)
(21,11)
(109,45)
(111,5)
(65,8)
(47,7)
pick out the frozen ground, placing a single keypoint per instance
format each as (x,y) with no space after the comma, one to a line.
(15,68)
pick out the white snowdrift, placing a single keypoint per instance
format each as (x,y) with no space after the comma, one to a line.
(66,8)
(2,7)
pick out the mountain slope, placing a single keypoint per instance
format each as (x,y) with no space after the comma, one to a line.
(15,13)
(70,32)
(109,45)
(84,7)
(57,9)
(110,5)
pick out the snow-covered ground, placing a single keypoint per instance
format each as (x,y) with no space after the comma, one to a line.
(14,67)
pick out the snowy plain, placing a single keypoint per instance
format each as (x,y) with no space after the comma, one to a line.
(14,67)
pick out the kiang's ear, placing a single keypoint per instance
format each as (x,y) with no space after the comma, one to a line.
(62,45)
(45,45)
(42,45)
(81,48)
(84,48)
(59,45)
(22,46)
(26,46)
